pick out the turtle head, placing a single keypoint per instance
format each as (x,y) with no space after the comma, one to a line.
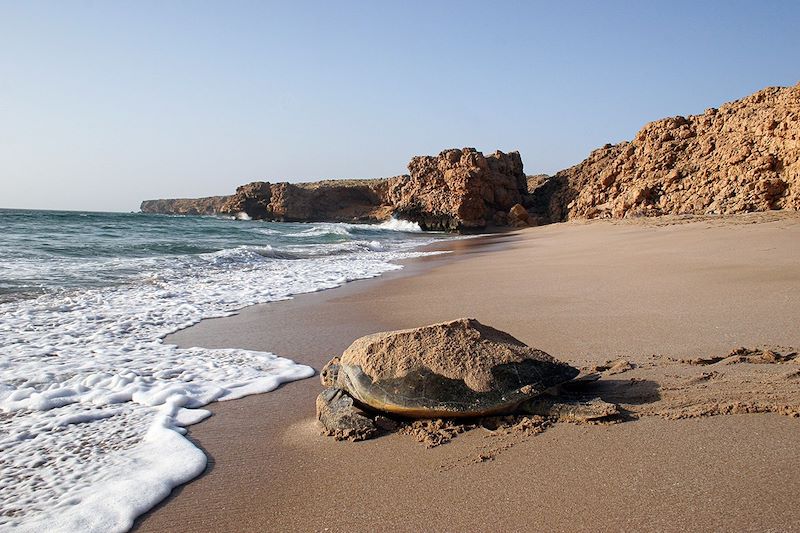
(329,374)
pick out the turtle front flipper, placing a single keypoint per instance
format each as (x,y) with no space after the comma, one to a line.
(330,373)
(569,409)
(341,418)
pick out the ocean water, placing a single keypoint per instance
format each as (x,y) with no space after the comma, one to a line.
(93,404)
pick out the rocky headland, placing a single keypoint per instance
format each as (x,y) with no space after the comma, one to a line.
(742,157)
(456,190)
(210,205)
(331,201)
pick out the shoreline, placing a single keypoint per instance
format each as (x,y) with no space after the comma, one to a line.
(455,250)
(281,461)
(449,249)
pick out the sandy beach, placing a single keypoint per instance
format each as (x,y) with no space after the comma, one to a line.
(669,297)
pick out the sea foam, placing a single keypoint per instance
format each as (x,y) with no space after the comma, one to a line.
(396,224)
(93,404)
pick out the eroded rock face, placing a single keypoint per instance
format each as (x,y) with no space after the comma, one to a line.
(331,201)
(744,156)
(252,198)
(458,189)
(454,191)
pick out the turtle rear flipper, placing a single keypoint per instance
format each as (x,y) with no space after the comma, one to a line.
(572,410)
(341,418)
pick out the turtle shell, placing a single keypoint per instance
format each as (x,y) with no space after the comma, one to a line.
(460,368)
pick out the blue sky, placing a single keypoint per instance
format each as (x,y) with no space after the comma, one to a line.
(104,104)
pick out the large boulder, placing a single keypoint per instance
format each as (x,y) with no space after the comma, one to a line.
(518,216)
(459,189)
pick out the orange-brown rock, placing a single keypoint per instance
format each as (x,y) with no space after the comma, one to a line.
(331,200)
(518,216)
(744,156)
(456,190)
(537,180)
(459,189)
(252,199)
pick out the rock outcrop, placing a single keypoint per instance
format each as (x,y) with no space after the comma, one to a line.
(459,189)
(744,156)
(456,190)
(331,201)
(210,205)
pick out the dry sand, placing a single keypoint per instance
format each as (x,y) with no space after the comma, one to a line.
(652,304)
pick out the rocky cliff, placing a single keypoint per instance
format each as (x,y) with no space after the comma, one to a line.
(744,156)
(459,189)
(332,201)
(456,190)
(210,205)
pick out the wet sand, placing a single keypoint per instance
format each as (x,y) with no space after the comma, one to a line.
(654,293)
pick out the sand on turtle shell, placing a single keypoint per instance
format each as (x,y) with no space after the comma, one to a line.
(462,349)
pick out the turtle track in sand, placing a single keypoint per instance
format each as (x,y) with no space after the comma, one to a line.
(747,380)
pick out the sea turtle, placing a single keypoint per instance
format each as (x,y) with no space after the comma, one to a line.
(454,369)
